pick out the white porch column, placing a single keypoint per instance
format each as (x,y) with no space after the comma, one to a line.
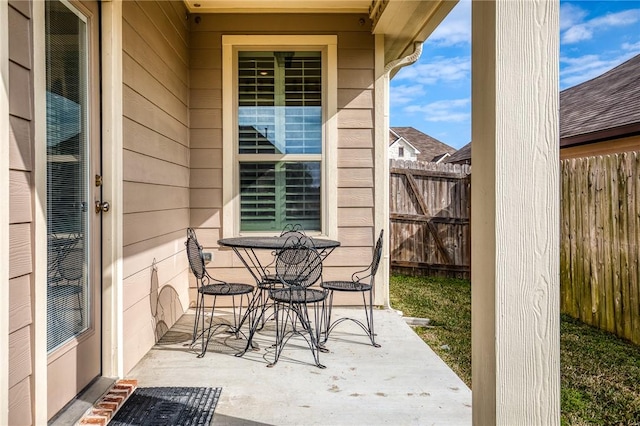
(515,213)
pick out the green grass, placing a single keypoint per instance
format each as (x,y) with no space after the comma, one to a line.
(600,373)
(600,376)
(447,303)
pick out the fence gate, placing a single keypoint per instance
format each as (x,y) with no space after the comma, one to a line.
(430,207)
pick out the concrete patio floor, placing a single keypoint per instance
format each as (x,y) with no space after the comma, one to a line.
(402,383)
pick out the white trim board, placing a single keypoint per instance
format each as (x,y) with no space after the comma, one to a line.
(230,198)
(4,212)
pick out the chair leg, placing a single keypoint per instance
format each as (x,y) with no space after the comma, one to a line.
(199,307)
(254,314)
(327,319)
(279,333)
(80,309)
(205,341)
(264,306)
(315,331)
(239,318)
(297,313)
(368,311)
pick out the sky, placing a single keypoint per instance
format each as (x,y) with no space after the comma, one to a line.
(434,94)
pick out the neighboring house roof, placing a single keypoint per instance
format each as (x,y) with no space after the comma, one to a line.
(461,156)
(605,107)
(441,158)
(399,139)
(428,148)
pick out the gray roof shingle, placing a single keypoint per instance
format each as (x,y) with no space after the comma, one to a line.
(462,156)
(609,101)
(429,147)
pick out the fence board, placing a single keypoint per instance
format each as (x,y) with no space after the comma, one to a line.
(565,243)
(625,319)
(597,287)
(634,229)
(599,255)
(429,214)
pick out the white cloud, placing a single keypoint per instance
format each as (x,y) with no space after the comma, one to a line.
(626,17)
(437,70)
(575,32)
(570,15)
(404,94)
(579,69)
(456,27)
(631,47)
(451,110)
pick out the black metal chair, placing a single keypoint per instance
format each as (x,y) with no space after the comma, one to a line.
(291,232)
(298,267)
(361,281)
(65,272)
(209,286)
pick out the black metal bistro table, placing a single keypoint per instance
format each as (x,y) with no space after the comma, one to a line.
(245,248)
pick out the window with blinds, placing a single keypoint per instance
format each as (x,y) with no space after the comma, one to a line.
(279,118)
(67,174)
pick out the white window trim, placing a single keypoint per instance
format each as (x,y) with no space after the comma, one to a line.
(328,45)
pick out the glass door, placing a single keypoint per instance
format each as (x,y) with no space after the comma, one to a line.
(73,238)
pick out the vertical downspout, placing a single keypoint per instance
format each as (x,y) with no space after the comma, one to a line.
(383,73)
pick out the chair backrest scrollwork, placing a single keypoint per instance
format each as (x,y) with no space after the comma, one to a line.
(194,254)
(298,266)
(377,254)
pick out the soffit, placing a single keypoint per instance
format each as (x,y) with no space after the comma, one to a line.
(401,21)
(405,21)
(278,6)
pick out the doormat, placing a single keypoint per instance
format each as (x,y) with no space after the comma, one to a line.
(164,406)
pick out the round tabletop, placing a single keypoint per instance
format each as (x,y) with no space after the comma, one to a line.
(273,243)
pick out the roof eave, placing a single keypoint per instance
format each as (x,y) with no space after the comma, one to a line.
(601,135)
(277,6)
(404,22)
(406,142)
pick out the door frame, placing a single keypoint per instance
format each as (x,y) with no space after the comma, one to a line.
(83,352)
(112,189)
(110,36)
(4,211)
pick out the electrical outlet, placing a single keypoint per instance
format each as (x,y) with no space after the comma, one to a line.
(207,256)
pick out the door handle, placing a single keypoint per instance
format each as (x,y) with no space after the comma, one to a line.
(102,207)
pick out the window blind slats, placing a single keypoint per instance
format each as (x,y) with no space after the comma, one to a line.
(279,112)
(260,195)
(68,295)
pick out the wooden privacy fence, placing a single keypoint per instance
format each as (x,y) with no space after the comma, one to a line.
(600,229)
(430,207)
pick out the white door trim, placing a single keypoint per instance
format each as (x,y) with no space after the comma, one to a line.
(4,212)
(112,171)
(40,398)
